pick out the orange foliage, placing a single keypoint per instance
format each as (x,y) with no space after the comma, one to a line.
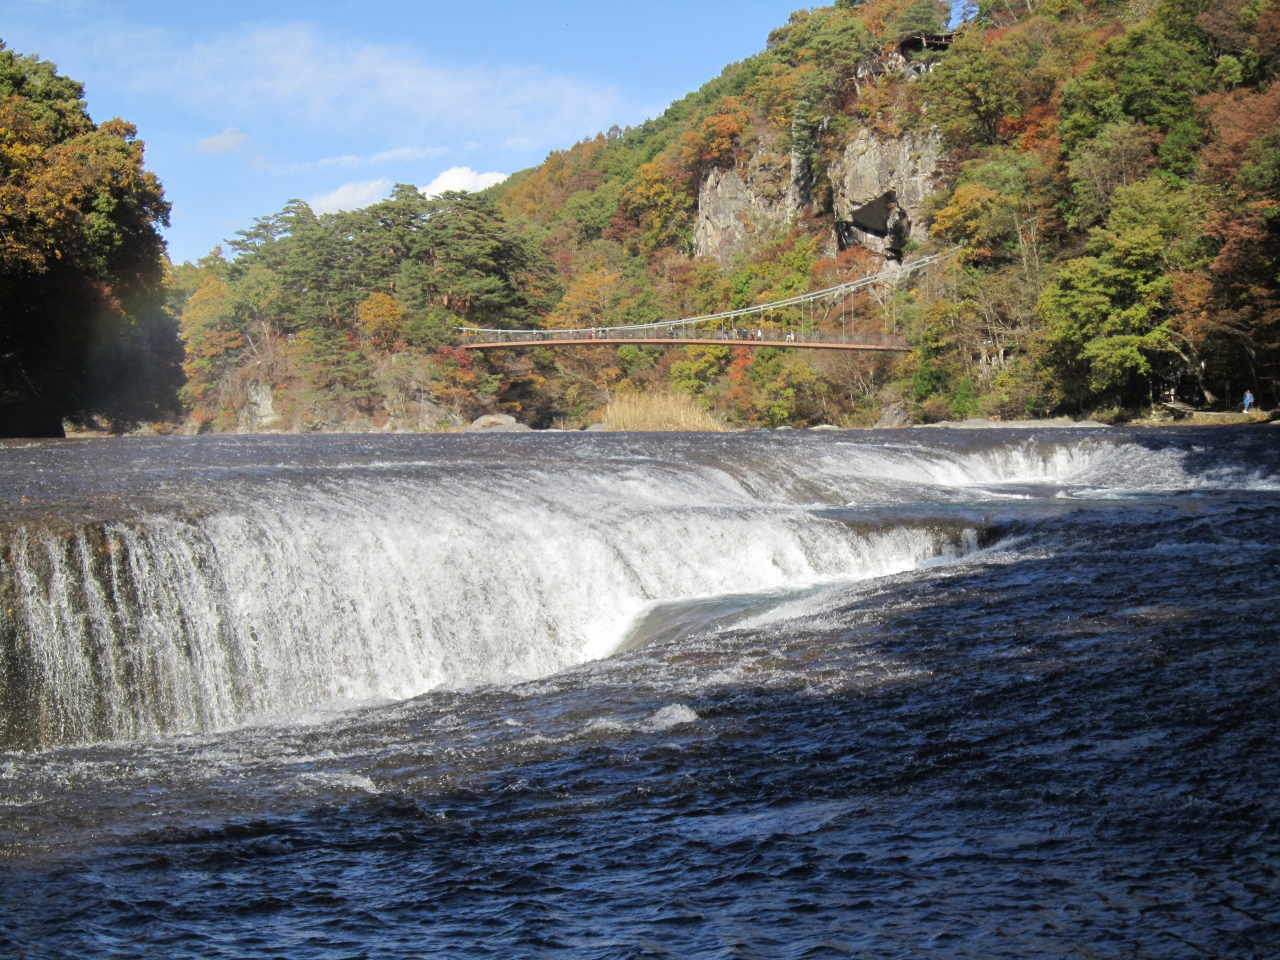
(1237,119)
(716,142)
(563,173)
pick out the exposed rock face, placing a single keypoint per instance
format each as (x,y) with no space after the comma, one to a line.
(750,204)
(894,415)
(732,215)
(259,412)
(879,187)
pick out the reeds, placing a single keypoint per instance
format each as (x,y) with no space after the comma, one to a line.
(658,412)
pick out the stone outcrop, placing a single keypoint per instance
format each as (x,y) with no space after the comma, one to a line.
(879,186)
(750,204)
(893,416)
(258,413)
(497,423)
(732,215)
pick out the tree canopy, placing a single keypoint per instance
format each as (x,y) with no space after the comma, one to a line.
(1109,170)
(84,331)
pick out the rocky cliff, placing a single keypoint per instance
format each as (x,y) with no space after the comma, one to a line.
(752,203)
(879,187)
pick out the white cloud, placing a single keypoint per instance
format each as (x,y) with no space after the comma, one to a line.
(294,74)
(348,160)
(399,155)
(461,178)
(225,142)
(361,193)
(351,196)
(409,154)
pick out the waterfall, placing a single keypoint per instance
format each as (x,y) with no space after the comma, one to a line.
(386,571)
(374,591)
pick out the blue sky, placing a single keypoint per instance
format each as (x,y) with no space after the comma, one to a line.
(244,105)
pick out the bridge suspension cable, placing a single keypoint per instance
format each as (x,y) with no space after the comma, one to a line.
(640,331)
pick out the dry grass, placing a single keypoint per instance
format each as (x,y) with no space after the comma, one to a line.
(657,412)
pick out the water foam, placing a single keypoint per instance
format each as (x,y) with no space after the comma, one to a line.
(384,584)
(373,591)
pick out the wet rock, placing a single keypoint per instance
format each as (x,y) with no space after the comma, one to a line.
(497,423)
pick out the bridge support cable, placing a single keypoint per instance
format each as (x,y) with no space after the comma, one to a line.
(804,305)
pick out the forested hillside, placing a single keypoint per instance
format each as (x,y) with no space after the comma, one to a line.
(1110,172)
(86,333)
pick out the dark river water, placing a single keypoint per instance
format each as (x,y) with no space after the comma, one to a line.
(999,693)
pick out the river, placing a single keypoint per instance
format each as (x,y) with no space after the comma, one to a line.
(997,693)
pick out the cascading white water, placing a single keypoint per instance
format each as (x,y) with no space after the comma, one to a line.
(372,584)
(161,624)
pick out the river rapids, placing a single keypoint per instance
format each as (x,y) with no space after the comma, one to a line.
(998,693)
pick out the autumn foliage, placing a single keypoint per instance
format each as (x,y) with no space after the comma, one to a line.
(84,333)
(1109,174)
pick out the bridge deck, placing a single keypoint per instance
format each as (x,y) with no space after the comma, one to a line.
(896,344)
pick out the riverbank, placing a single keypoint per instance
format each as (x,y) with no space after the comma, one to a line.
(679,419)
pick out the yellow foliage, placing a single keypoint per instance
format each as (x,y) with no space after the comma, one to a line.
(962,218)
(586,302)
(53,194)
(210,336)
(381,319)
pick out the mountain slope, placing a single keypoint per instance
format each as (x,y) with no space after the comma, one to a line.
(1111,172)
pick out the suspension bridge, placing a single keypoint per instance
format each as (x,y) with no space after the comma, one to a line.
(792,322)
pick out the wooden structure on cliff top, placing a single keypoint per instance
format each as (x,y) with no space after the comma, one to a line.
(792,323)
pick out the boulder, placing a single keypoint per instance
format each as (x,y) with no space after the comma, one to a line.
(497,423)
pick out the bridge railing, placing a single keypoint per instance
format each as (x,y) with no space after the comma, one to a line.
(725,325)
(726,335)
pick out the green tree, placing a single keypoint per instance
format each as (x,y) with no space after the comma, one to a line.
(977,87)
(1143,75)
(702,366)
(921,17)
(84,331)
(1107,315)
